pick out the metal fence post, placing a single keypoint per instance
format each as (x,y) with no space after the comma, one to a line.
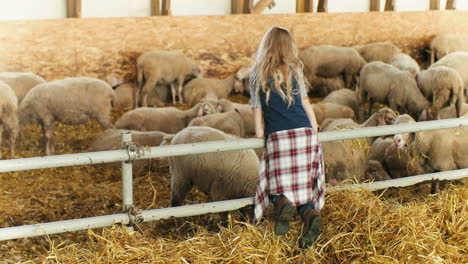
(127,178)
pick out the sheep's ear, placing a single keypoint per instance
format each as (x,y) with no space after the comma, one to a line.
(200,111)
(382,120)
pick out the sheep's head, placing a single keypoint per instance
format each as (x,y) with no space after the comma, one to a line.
(206,109)
(27,117)
(376,172)
(403,140)
(195,68)
(386,116)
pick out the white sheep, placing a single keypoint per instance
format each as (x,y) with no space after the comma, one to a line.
(229,122)
(444,86)
(378,51)
(221,175)
(110,139)
(21,82)
(445,44)
(70,101)
(165,119)
(245,110)
(405,63)
(381,82)
(211,88)
(8,115)
(345,97)
(163,67)
(332,61)
(329,110)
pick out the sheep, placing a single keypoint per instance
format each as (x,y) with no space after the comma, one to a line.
(224,105)
(199,88)
(345,97)
(110,139)
(437,150)
(457,61)
(323,86)
(329,110)
(384,116)
(405,63)
(394,160)
(444,113)
(163,67)
(229,122)
(386,84)
(444,86)
(8,116)
(376,172)
(347,159)
(70,101)
(125,93)
(221,175)
(21,82)
(378,51)
(165,119)
(332,61)
(445,44)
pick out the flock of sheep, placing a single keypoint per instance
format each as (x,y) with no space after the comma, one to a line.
(348,78)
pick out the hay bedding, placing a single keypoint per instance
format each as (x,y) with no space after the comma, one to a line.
(397,226)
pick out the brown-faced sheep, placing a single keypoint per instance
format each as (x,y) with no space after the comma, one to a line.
(384,83)
(445,44)
(110,139)
(345,97)
(404,62)
(210,88)
(8,116)
(378,51)
(229,122)
(332,61)
(221,175)
(21,82)
(70,101)
(166,119)
(163,67)
(443,86)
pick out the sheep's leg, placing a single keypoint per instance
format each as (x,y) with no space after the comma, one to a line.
(435,186)
(104,120)
(348,80)
(149,84)
(369,110)
(179,90)
(173,93)
(178,191)
(11,141)
(49,127)
(1,138)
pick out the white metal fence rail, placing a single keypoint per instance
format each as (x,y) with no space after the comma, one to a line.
(130,152)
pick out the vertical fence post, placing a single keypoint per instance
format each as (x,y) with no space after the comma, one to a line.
(127,178)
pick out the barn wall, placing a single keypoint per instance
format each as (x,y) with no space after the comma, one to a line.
(99,46)
(44,9)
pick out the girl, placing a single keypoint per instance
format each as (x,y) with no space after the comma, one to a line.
(291,170)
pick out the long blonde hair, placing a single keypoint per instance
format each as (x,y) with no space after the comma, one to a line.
(277,58)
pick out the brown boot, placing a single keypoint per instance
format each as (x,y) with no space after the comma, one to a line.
(284,211)
(311,227)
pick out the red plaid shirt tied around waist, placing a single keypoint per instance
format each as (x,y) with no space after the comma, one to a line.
(292,165)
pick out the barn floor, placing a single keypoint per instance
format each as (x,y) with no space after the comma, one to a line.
(396,226)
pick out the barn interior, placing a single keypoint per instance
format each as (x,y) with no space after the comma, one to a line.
(79,38)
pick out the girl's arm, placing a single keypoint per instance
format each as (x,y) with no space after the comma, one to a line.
(310,112)
(258,119)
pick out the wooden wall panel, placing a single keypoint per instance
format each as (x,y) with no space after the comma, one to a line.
(95,47)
